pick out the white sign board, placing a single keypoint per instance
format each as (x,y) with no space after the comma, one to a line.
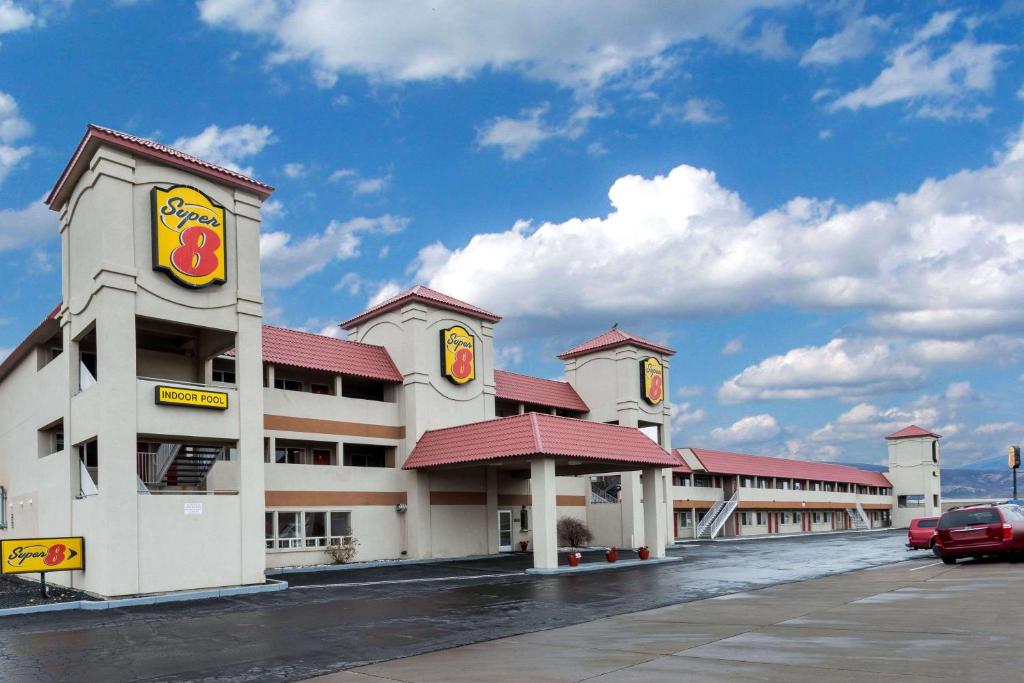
(193,508)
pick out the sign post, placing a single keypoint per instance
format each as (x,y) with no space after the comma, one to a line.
(43,555)
(1014,465)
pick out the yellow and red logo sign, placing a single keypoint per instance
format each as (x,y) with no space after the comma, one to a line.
(652,380)
(458,354)
(25,555)
(188,236)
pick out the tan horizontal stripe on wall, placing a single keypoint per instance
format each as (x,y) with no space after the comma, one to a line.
(571,501)
(322,498)
(514,499)
(458,498)
(687,503)
(804,505)
(310,425)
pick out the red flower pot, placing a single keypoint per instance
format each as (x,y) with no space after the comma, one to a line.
(644,553)
(573,560)
(612,555)
(523,545)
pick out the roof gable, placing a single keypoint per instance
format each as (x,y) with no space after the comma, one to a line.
(910,432)
(423,295)
(611,339)
(98,135)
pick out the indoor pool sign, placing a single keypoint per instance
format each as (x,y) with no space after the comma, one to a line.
(188,237)
(652,379)
(458,354)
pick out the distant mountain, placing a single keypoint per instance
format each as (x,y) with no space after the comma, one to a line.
(862,466)
(996,462)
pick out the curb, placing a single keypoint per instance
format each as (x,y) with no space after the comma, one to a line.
(598,566)
(273,586)
(373,564)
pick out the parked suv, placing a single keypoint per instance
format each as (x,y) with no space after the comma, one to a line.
(921,533)
(980,530)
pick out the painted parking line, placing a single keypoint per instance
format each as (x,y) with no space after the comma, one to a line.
(925,566)
(426,580)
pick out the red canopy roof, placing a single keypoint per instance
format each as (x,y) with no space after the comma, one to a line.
(542,392)
(612,338)
(723,462)
(282,346)
(96,135)
(910,432)
(537,434)
(425,295)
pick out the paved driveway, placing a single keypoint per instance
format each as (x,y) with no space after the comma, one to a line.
(363,616)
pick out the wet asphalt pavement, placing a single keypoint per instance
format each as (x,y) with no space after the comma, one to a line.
(337,620)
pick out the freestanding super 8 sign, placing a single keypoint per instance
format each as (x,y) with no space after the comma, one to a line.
(652,380)
(458,354)
(188,237)
(26,555)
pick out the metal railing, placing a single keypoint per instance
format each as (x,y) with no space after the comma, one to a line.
(725,513)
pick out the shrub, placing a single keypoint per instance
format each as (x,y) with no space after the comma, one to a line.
(573,532)
(343,552)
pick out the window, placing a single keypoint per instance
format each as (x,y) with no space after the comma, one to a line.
(746,482)
(682,480)
(798,517)
(784,518)
(287,384)
(798,485)
(51,438)
(935,500)
(300,529)
(359,387)
(815,517)
(826,517)
(88,453)
(815,485)
(320,389)
(684,519)
(915,501)
(782,484)
(935,452)
(700,480)
(759,518)
(368,455)
(322,456)
(743,519)
(762,483)
(290,455)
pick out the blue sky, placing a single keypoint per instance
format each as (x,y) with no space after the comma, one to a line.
(820,207)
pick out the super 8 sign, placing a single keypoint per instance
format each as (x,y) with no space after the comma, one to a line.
(27,555)
(188,237)
(458,354)
(652,380)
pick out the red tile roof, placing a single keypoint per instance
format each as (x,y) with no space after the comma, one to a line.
(682,467)
(910,432)
(424,295)
(723,462)
(543,392)
(282,346)
(611,339)
(96,135)
(536,434)
(42,332)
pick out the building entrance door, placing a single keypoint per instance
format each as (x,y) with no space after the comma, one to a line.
(504,531)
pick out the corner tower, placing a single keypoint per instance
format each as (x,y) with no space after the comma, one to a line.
(915,475)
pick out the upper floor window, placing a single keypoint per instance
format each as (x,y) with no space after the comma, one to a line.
(287,384)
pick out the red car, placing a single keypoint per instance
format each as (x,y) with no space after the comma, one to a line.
(980,530)
(922,531)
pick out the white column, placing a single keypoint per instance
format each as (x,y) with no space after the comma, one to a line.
(542,491)
(491,484)
(654,512)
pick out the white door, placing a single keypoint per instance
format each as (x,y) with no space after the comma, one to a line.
(504,531)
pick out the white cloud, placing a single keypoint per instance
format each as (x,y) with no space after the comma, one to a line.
(507,356)
(1000,428)
(825,134)
(939,80)
(359,184)
(746,430)
(689,391)
(384,292)
(855,40)
(518,136)
(286,261)
(227,147)
(959,391)
(685,414)
(867,421)
(695,110)
(271,211)
(28,226)
(14,17)
(842,367)
(938,262)
(579,44)
(732,347)
(12,128)
(294,170)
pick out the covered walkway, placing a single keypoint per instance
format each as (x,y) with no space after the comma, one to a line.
(546,446)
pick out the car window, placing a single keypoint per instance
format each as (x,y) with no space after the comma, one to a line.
(957,518)
(927,523)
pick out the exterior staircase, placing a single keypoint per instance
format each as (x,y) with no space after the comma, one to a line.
(177,465)
(716,517)
(856,520)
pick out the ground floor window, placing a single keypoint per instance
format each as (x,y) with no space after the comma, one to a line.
(798,517)
(296,529)
(783,518)
(760,518)
(684,519)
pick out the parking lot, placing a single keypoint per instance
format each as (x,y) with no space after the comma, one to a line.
(340,620)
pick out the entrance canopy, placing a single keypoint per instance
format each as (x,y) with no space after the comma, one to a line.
(577,446)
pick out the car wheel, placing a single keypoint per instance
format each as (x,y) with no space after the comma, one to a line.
(949,560)
(934,549)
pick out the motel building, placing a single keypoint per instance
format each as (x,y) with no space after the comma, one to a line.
(153,413)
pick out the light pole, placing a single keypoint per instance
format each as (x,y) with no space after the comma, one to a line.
(1014,462)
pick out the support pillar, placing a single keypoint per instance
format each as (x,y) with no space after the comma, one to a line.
(654,511)
(491,486)
(542,492)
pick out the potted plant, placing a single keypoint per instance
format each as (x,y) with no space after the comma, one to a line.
(643,552)
(574,558)
(612,554)
(523,545)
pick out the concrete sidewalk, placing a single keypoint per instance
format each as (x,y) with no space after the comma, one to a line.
(912,621)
